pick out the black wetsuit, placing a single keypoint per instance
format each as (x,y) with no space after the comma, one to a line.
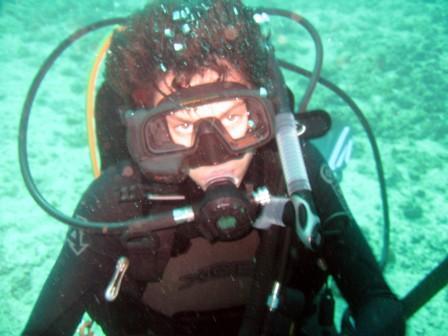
(170,279)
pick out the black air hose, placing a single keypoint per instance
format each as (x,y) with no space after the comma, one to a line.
(375,150)
(255,309)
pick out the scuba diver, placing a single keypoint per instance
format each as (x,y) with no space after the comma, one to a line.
(186,115)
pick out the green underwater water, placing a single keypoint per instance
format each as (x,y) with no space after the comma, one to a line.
(390,56)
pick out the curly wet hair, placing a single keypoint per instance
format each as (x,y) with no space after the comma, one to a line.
(185,37)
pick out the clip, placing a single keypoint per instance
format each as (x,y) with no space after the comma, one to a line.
(114,286)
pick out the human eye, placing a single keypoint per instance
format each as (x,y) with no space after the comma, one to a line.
(184,127)
(232,117)
(235,121)
(236,115)
(180,128)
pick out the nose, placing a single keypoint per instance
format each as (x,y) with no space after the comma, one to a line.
(211,147)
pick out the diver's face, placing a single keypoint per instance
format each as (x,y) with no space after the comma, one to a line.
(233,117)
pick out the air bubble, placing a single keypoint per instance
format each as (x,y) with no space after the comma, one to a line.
(261,18)
(176,15)
(186,12)
(181,14)
(178,46)
(168,32)
(186,28)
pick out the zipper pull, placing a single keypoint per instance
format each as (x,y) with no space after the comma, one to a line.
(114,286)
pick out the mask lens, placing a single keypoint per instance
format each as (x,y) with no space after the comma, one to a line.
(229,118)
(235,120)
(240,122)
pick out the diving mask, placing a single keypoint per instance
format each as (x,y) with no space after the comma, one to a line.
(202,125)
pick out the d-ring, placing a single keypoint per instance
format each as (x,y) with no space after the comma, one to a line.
(301,129)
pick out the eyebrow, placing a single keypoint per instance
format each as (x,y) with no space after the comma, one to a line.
(237,104)
(189,118)
(178,118)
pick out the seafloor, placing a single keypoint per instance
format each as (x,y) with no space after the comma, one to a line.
(391,56)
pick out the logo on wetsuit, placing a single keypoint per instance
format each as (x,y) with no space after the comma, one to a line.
(75,239)
(236,269)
